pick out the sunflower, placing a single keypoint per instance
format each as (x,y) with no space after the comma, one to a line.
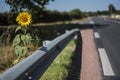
(24,19)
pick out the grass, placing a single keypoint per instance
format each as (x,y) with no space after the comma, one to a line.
(7,56)
(59,69)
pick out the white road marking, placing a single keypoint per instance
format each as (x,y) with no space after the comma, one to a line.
(107,69)
(91,22)
(114,21)
(96,35)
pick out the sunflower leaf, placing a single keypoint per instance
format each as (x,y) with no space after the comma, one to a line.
(20,50)
(18,28)
(16,40)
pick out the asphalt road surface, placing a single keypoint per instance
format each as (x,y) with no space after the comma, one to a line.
(108,32)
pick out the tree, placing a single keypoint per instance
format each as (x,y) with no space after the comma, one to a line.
(65,16)
(98,12)
(75,14)
(19,5)
(111,9)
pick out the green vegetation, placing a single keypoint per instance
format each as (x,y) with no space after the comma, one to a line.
(46,16)
(31,5)
(112,9)
(59,69)
(39,12)
(76,14)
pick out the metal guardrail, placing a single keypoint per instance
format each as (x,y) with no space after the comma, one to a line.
(32,67)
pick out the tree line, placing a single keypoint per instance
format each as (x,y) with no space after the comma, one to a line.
(53,16)
(43,16)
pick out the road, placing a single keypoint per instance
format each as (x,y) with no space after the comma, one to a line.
(108,43)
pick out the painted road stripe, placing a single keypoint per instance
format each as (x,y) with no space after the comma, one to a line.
(96,35)
(107,69)
(114,21)
(91,22)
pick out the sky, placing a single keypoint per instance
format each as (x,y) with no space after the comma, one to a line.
(67,5)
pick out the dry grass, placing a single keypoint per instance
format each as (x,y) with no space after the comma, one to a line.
(6,57)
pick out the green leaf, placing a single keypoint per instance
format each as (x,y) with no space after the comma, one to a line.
(23,37)
(18,28)
(26,39)
(24,30)
(19,51)
(16,40)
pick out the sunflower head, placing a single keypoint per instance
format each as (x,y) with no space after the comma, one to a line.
(24,19)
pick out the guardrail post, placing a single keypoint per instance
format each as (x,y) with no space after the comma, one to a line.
(46,42)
